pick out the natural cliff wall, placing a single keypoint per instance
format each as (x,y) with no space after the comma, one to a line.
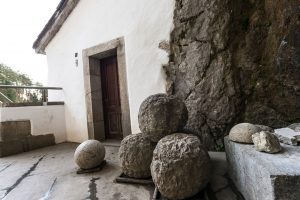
(234,61)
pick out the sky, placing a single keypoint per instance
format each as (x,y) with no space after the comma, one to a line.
(20,23)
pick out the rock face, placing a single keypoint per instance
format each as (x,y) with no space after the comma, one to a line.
(160,115)
(265,128)
(89,154)
(180,167)
(234,61)
(266,141)
(243,133)
(136,155)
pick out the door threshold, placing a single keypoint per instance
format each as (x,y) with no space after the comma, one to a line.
(112,142)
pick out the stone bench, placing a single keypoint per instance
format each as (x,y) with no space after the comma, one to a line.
(15,137)
(29,143)
(263,176)
(11,130)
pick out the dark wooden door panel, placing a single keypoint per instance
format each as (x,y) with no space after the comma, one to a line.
(114,123)
(111,97)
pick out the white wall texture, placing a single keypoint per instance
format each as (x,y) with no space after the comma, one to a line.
(142,23)
(44,119)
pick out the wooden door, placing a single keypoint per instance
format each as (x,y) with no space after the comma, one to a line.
(111,97)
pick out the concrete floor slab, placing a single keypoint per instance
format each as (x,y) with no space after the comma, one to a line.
(50,173)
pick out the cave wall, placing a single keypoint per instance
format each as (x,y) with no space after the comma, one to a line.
(235,61)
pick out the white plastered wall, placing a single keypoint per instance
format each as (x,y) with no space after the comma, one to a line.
(43,119)
(142,23)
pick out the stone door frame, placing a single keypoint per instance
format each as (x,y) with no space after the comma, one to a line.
(92,84)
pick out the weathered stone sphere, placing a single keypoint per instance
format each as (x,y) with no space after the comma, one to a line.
(243,132)
(136,155)
(160,115)
(180,166)
(89,154)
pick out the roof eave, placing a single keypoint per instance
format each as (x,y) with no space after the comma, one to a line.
(54,24)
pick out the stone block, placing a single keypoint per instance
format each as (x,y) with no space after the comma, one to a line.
(39,141)
(11,130)
(8,131)
(260,175)
(23,128)
(288,136)
(12,147)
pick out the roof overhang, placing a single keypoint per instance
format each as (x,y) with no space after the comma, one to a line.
(56,21)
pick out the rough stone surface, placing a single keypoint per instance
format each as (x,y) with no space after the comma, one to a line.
(243,133)
(288,136)
(234,61)
(39,141)
(295,127)
(136,155)
(265,128)
(264,176)
(11,147)
(266,141)
(23,144)
(10,130)
(181,166)
(89,154)
(160,115)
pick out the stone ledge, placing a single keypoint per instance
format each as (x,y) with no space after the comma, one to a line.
(27,104)
(39,141)
(21,145)
(12,147)
(262,176)
(17,129)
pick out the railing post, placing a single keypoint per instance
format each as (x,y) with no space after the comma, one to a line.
(44,97)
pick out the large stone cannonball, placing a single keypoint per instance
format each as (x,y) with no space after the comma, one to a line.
(136,155)
(180,166)
(89,154)
(243,132)
(160,115)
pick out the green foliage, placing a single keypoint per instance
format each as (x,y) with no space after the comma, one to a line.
(220,147)
(10,77)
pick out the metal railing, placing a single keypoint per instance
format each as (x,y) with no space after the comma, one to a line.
(43,89)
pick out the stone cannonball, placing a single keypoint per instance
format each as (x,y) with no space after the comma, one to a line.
(243,132)
(180,166)
(89,154)
(160,115)
(136,155)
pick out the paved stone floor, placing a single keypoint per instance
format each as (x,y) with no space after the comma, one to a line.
(50,173)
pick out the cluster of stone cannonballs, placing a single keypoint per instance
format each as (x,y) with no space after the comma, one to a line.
(261,136)
(178,164)
(89,154)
